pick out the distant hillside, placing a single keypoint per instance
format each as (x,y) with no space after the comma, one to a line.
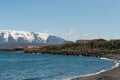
(16,45)
(12,38)
(97,48)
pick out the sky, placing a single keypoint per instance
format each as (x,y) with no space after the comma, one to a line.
(69,19)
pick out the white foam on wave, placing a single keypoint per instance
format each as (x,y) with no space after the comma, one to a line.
(106,59)
(117,63)
(72,77)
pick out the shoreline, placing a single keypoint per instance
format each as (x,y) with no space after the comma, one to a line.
(111,74)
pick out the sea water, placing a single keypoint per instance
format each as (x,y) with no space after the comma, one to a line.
(24,66)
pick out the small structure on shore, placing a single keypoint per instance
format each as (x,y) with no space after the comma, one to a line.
(86,41)
(22,47)
(96,40)
(29,47)
(69,42)
(32,47)
(82,41)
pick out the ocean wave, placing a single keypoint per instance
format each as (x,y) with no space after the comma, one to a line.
(117,63)
(106,59)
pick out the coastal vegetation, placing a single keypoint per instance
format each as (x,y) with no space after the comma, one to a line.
(93,48)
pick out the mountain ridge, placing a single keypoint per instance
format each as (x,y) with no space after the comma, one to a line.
(15,36)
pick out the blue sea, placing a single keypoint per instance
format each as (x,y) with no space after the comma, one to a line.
(24,66)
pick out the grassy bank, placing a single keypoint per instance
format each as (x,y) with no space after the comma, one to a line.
(92,48)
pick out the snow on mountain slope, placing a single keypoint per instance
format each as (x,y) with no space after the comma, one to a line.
(30,37)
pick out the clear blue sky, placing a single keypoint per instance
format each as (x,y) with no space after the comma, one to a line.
(69,19)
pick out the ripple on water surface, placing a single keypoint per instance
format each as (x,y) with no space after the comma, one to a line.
(21,66)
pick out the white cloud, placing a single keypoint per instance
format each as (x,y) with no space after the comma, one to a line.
(70,32)
(85,36)
(46,31)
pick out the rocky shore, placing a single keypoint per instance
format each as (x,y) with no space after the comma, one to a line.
(113,74)
(90,53)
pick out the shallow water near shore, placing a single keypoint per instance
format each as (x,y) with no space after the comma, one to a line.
(21,66)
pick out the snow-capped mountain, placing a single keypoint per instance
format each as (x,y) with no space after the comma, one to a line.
(11,36)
